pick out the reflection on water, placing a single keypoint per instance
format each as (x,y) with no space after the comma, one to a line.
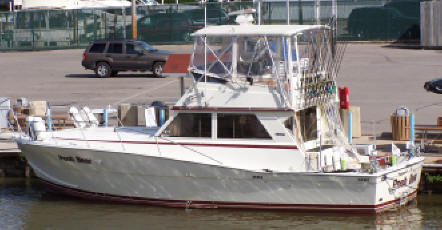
(16,196)
(25,205)
(409,217)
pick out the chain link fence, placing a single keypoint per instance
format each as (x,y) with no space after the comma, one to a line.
(364,20)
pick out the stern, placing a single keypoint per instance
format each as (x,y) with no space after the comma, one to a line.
(398,185)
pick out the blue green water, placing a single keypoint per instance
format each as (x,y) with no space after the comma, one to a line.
(24,204)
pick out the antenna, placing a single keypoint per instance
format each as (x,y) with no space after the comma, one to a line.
(205,49)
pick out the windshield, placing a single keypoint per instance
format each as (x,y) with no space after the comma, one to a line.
(145,46)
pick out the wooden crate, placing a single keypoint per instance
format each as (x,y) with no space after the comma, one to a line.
(59,121)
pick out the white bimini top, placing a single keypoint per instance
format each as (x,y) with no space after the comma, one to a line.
(256,30)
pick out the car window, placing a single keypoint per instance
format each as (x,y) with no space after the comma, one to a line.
(144,45)
(115,48)
(214,13)
(97,48)
(146,21)
(133,49)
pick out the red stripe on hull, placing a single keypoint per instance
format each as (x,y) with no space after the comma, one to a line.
(189,144)
(322,208)
(231,109)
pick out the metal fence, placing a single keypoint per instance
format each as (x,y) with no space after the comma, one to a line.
(173,23)
(431,24)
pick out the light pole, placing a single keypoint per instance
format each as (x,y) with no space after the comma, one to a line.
(318,12)
(134,20)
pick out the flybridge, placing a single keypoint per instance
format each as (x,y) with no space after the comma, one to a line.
(301,61)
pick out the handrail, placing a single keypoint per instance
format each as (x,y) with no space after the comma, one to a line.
(193,150)
(84,137)
(121,140)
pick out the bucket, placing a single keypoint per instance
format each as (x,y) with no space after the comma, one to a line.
(393,160)
(36,127)
(402,111)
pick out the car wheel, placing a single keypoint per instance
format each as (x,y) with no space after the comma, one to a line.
(103,70)
(157,69)
(114,73)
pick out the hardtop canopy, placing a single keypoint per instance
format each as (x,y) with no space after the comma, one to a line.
(256,30)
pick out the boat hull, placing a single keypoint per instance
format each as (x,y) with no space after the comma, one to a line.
(139,179)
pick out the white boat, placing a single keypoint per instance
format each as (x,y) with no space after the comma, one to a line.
(259,129)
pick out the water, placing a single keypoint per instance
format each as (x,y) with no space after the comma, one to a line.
(24,204)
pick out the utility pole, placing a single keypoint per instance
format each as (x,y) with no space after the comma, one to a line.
(301,21)
(134,20)
(288,11)
(335,16)
(318,12)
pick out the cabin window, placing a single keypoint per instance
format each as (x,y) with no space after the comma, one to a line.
(255,58)
(190,125)
(289,124)
(308,123)
(240,126)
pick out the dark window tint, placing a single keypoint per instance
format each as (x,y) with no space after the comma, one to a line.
(97,48)
(307,120)
(240,126)
(190,125)
(133,49)
(289,124)
(130,49)
(115,48)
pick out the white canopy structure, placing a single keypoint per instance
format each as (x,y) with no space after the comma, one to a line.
(256,30)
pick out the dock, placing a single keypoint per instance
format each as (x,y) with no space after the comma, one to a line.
(11,163)
(8,148)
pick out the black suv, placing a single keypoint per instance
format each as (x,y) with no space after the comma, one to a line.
(434,85)
(107,58)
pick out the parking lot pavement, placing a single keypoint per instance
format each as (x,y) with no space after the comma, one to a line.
(58,77)
(380,80)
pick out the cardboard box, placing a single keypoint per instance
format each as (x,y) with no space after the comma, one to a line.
(37,108)
(128,114)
